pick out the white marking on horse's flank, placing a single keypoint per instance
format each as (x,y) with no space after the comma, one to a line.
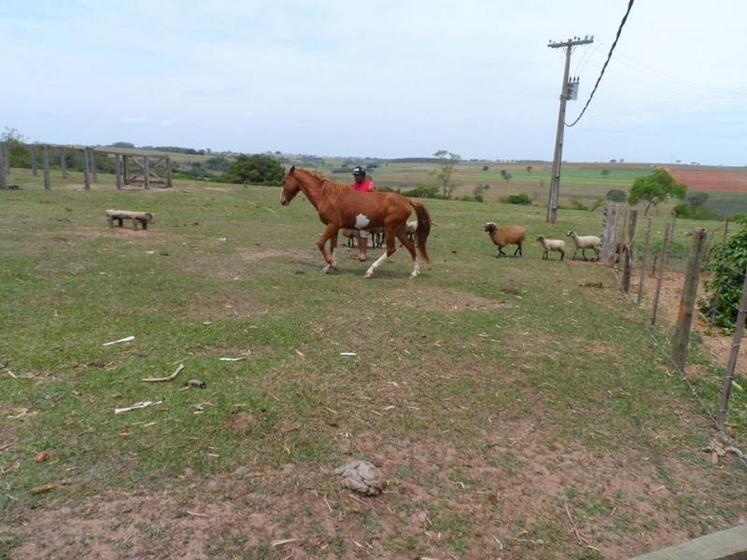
(375,265)
(361,221)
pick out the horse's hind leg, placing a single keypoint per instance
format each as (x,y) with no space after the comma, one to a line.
(405,240)
(390,248)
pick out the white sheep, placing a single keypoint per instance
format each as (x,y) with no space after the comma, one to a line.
(506,235)
(552,245)
(410,228)
(584,242)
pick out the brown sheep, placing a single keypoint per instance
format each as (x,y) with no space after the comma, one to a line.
(507,235)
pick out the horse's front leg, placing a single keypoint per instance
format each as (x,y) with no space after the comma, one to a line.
(329,233)
(332,246)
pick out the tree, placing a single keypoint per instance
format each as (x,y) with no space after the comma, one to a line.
(444,171)
(485,167)
(529,169)
(616,195)
(655,188)
(479,191)
(20,154)
(698,198)
(503,172)
(605,172)
(507,177)
(256,169)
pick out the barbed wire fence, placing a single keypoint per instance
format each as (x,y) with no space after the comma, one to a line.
(663,276)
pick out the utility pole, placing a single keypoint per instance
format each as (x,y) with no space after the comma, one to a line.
(565,94)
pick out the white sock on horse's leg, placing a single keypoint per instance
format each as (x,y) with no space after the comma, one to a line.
(375,265)
(416,269)
(333,262)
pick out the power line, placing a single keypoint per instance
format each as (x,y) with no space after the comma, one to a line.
(609,57)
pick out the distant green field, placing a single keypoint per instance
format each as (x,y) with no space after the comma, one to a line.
(582,182)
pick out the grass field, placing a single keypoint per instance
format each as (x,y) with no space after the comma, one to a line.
(583,182)
(500,397)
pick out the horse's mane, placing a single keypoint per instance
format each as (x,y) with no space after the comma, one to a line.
(330,189)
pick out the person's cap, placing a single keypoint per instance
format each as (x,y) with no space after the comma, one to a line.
(359,170)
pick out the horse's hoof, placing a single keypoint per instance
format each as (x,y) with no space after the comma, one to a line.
(368,274)
(414,275)
(325,270)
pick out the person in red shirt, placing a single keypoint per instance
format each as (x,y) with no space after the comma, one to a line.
(362,183)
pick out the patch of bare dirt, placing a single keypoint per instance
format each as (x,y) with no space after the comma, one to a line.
(507,498)
(444,299)
(717,343)
(239,264)
(214,309)
(240,422)
(244,353)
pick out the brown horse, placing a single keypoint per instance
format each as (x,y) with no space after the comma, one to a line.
(339,206)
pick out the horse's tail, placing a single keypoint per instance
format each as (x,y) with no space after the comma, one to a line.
(423,229)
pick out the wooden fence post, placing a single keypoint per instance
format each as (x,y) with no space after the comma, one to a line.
(733,357)
(646,247)
(86,172)
(3,180)
(627,253)
(687,301)
(6,147)
(125,178)
(610,233)
(45,163)
(92,159)
(169,176)
(660,277)
(118,170)
(34,171)
(672,226)
(63,162)
(146,172)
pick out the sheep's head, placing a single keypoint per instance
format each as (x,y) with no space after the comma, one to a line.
(541,238)
(571,234)
(490,227)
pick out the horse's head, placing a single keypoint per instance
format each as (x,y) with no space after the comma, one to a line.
(291,186)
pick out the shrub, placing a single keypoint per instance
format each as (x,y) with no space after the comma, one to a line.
(616,195)
(257,169)
(724,291)
(422,190)
(688,211)
(218,163)
(522,198)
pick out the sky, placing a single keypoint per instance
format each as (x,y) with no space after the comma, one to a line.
(388,78)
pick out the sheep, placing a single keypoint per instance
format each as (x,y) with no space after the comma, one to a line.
(552,245)
(410,228)
(506,235)
(352,236)
(584,242)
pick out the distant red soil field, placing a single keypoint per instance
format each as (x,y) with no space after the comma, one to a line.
(711,179)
